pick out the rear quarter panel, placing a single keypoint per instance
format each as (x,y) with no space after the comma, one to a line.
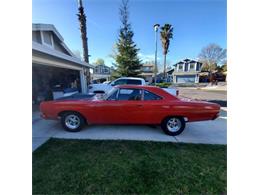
(196,111)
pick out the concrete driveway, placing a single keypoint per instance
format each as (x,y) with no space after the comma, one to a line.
(207,132)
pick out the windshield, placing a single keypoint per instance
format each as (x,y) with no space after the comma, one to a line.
(109,93)
(102,96)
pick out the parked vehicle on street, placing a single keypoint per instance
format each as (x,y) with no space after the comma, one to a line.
(130,104)
(105,87)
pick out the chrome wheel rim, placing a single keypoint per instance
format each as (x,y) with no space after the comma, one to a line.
(72,121)
(174,124)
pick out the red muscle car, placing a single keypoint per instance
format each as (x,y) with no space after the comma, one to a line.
(130,104)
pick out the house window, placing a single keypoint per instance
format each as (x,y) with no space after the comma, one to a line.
(36,36)
(192,66)
(47,38)
(146,69)
(186,67)
(180,67)
(105,70)
(198,66)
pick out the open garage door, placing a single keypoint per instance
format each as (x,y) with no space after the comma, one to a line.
(48,79)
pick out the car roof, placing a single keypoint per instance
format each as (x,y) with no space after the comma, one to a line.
(136,86)
(153,89)
(133,78)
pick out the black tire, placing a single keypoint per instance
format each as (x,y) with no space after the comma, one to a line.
(79,120)
(165,126)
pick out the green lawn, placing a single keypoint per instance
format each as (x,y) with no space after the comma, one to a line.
(119,167)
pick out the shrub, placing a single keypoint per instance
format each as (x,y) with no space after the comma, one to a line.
(163,85)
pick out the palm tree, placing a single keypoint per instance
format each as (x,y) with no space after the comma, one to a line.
(166,35)
(83,29)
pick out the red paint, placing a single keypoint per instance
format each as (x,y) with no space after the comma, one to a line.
(133,111)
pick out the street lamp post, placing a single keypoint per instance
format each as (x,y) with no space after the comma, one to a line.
(156,27)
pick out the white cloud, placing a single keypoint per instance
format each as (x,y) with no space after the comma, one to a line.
(147,57)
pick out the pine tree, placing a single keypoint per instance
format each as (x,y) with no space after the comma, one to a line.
(128,63)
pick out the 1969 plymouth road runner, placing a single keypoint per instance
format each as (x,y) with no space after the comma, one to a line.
(130,104)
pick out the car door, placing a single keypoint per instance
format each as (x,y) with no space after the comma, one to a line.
(153,108)
(122,106)
(108,110)
(131,101)
(141,106)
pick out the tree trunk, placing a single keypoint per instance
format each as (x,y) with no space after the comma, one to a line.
(84,39)
(164,67)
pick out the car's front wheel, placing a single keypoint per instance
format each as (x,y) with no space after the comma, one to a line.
(72,121)
(173,125)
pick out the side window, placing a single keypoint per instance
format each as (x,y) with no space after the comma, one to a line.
(120,82)
(151,96)
(134,82)
(130,94)
(112,94)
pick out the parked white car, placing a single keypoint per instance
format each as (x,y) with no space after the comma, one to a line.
(105,87)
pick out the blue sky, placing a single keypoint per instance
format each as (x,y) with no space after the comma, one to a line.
(196,24)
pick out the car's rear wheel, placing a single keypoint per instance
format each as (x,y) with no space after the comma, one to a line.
(173,125)
(72,121)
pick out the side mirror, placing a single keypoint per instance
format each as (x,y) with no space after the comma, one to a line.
(112,84)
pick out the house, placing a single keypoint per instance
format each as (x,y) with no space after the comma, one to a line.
(186,71)
(54,66)
(147,72)
(101,73)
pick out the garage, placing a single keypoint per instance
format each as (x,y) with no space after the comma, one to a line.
(185,78)
(50,82)
(56,71)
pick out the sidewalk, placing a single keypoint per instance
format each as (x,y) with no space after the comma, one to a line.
(219,87)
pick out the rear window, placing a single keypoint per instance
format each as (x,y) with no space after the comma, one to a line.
(130,94)
(151,96)
(134,82)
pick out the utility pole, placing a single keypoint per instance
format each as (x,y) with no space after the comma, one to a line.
(83,29)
